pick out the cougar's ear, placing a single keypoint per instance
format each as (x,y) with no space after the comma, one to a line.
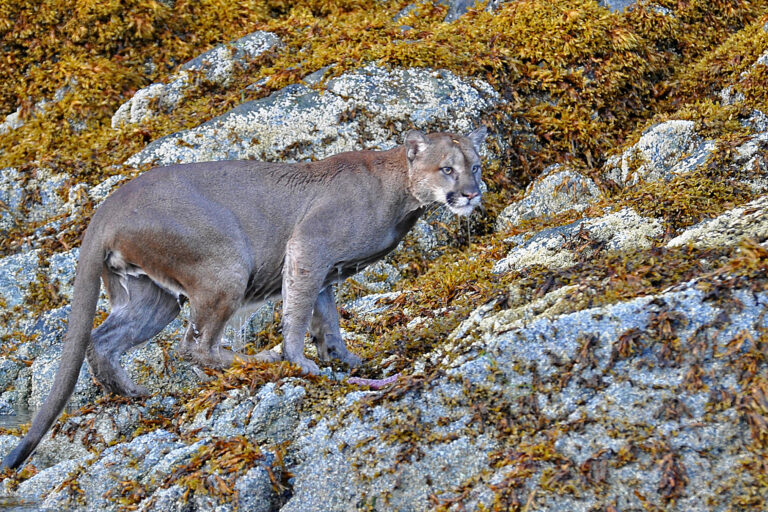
(478,137)
(415,143)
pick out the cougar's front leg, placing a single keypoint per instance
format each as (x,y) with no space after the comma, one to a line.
(326,333)
(303,277)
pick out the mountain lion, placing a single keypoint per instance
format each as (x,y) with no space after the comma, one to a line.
(227,235)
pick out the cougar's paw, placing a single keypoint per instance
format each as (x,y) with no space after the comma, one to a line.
(218,358)
(308,367)
(351,359)
(268,356)
(122,386)
(137,391)
(345,356)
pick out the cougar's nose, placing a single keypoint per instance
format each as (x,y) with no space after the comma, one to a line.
(471,194)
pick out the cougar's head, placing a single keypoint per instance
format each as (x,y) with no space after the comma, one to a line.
(445,168)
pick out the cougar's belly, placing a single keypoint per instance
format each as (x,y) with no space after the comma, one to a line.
(124,269)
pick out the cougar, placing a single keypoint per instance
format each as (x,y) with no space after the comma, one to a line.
(227,235)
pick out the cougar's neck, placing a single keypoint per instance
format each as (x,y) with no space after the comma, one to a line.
(392,167)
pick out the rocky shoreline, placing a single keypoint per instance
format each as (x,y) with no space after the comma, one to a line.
(599,343)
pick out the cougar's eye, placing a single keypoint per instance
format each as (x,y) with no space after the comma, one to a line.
(475,169)
(446,170)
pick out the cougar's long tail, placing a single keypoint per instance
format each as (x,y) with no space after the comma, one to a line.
(86,294)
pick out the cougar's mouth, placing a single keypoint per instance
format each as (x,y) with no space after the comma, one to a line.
(460,205)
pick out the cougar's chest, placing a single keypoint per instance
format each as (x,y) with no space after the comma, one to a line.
(375,248)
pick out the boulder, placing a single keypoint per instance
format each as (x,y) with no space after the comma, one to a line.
(17,272)
(624,230)
(216,66)
(124,462)
(269,416)
(557,190)
(377,278)
(365,457)
(366,108)
(665,149)
(38,199)
(749,221)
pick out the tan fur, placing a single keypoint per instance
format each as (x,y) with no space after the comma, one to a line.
(226,235)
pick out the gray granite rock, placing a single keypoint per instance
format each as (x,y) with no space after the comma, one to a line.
(216,66)
(48,479)
(369,306)
(17,271)
(757,121)
(172,499)
(624,230)
(126,461)
(631,394)
(377,278)
(357,110)
(6,409)
(37,201)
(352,448)
(328,478)
(43,371)
(61,271)
(749,221)
(269,416)
(665,149)
(255,491)
(9,369)
(751,155)
(245,325)
(555,191)
(83,434)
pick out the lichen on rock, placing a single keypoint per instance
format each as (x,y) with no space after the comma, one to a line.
(555,191)
(595,339)
(355,111)
(215,66)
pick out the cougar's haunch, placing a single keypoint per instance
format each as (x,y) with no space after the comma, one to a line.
(227,235)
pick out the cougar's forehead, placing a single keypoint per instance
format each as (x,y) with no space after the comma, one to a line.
(457,152)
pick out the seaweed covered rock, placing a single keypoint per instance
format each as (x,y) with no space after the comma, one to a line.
(29,196)
(559,247)
(126,462)
(456,8)
(747,222)
(436,436)
(367,108)
(555,191)
(215,66)
(669,148)
(269,416)
(378,278)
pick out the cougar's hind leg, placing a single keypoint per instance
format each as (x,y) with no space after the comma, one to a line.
(325,331)
(140,310)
